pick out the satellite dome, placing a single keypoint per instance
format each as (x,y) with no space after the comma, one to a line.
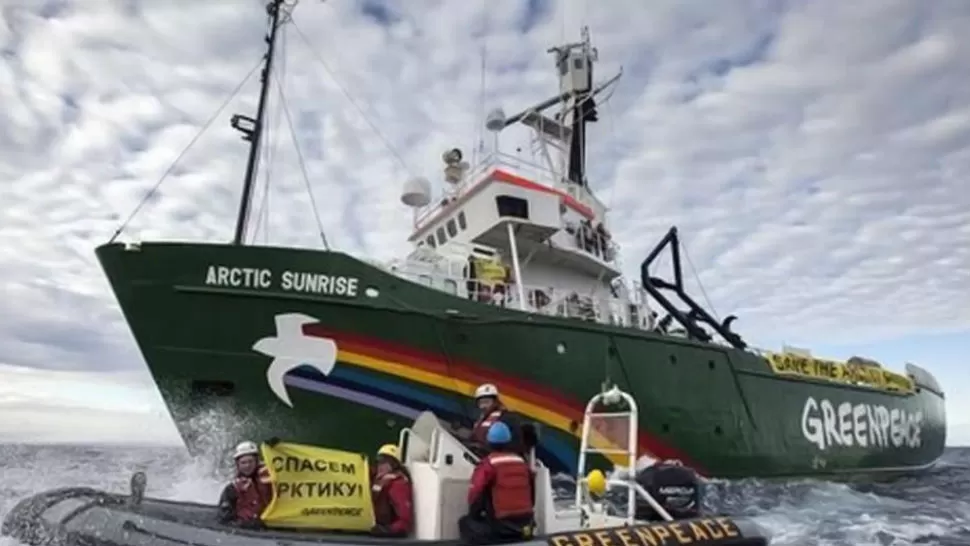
(417,192)
(495,120)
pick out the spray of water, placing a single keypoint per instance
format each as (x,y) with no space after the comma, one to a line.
(172,472)
(932,509)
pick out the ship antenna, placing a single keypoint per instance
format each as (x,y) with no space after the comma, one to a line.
(252,129)
(575,62)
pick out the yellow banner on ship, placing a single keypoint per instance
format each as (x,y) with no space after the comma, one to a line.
(870,376)
(489,271)
(317,488)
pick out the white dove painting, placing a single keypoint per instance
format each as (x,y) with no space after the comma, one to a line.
(291,348)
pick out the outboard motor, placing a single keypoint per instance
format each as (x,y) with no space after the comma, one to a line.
(675,487)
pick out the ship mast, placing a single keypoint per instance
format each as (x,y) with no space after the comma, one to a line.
(575,64)
(578,78)
(252,129)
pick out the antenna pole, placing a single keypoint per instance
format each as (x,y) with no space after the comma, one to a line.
(252,129)
(584,111)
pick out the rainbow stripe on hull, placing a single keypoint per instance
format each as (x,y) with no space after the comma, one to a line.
(404,382)
(395,398)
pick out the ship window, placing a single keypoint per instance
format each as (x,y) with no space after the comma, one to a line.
(578,63)
(441,236)
(430,241)
(515,207)
(452,230)
(461,220)
(451,287)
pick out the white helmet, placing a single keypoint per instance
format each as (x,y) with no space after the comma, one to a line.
(486,389)
(245,448)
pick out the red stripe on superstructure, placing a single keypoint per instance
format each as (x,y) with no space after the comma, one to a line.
(499,175)
(475,374)
(525,183)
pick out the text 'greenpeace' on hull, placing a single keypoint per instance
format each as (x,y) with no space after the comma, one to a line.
(846,424)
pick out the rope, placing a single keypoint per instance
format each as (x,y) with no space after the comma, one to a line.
(360,110)
(479,145)
(171,167)
(609,112)
(303,169)
(699,283)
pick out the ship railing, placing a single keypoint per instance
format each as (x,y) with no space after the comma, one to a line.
(556,302)
(461,250)
(454,254)
(543,300)
(530,170)
(593,243)
(512,164)
(639,294)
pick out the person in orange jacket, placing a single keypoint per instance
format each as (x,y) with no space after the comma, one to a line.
(392,495)
(501,495)
(250,492)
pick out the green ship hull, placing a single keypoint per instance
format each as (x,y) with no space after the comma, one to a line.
(207,318)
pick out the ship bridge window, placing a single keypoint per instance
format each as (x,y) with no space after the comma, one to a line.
(515,207)
(461,220)
(441,236)
(452,230)
(430,241)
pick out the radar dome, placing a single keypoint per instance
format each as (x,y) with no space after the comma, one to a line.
(417,192)
(495,120)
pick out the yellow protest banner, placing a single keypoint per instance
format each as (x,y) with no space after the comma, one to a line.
(317,488)
(849,373)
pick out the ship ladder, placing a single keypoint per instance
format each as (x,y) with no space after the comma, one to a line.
(624,480)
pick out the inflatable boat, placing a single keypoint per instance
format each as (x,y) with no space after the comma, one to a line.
(440,467)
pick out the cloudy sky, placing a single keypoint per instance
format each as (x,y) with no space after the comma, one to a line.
(813,153)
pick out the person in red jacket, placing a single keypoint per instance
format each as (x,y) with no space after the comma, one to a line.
(501,494)
(250,492)
(492,411)
(391,494)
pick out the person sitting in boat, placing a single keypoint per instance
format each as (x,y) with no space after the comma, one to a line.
(674,486)
(250,492)
(392,495)
(491,411)
(501,494)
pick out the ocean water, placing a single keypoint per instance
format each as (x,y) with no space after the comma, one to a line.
(933,509)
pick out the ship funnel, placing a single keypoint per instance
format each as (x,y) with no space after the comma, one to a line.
(417,192)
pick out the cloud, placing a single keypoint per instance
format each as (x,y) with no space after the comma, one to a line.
(813,154)
(43,406)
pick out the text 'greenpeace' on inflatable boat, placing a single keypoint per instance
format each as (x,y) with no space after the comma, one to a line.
(440,467)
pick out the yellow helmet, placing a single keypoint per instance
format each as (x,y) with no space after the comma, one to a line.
(389,450)
(596,482)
